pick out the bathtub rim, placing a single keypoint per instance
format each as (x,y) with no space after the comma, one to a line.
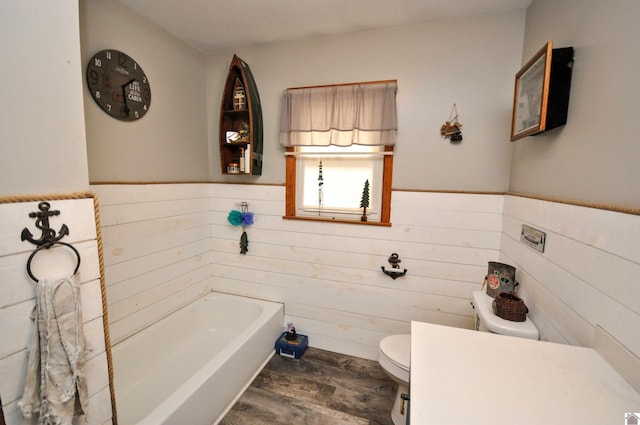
(272,311)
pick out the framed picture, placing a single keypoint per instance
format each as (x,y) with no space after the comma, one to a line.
(531,95)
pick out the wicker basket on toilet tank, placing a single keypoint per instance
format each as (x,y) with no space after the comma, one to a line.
(510,307)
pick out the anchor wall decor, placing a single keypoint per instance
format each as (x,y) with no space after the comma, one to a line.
(395,272)
(48,236)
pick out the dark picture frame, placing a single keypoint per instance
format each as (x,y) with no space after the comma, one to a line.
(542,91)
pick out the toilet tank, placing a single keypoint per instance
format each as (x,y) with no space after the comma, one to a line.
(487,321)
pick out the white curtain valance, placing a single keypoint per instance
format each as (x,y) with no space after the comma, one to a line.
(342,115)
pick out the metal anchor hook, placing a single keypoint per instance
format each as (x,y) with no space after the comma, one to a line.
(48,236)
(394,260)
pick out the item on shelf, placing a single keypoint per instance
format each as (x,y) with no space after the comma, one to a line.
(232,136)
(233,168)
(239,96)
(244,132)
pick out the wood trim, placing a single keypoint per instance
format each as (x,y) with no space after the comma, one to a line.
(463,192)
(114,183)
(343,84)
(595,205)
(143,183)
(336,220)
(387,177)
(290,193)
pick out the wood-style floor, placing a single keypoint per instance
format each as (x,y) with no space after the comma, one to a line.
(322,388)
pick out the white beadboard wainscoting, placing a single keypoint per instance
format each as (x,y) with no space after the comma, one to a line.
(165,244)
(587,277)
(156,251)
(329,277)
(17,299)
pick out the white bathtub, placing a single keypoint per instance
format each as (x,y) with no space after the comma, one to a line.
(191,366)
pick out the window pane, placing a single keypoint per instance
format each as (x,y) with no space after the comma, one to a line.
(344,172)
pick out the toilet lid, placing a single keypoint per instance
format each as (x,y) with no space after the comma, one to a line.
(397,348)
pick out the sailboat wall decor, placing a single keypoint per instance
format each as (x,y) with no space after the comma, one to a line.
(240,122)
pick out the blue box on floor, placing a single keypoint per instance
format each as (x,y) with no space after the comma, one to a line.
(294,349)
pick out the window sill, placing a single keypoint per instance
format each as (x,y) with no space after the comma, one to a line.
(335,220)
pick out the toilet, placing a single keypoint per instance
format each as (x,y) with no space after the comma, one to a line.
(393,355)
(394,351)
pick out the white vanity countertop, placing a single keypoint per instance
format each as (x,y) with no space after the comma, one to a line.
(462,376)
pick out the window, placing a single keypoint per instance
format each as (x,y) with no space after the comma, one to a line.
(331,181)
(343,176)
(339,145)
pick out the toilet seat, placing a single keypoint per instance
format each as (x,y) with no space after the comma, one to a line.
(394,355)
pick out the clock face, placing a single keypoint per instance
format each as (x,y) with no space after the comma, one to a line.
(119,85)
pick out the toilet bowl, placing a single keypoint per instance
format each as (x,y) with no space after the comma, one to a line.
(393,355)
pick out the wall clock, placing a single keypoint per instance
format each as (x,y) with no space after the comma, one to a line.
(119,85)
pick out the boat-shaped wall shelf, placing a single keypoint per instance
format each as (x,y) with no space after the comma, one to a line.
(240,132)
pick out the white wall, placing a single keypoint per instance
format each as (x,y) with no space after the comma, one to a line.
(469,61)
(42,149)
(156,251)
(587,275)
(594,157)
(18,299)
(329,275)
(170,142)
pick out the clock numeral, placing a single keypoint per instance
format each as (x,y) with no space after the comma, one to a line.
(135,65)
(108,107)
(144,79)
(145,107)
(97,62)
(97,94)
(136,114)
(93,76)
(108,54)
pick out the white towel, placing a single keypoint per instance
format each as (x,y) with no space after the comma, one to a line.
(55,386)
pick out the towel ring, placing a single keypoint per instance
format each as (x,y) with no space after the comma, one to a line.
(47,246)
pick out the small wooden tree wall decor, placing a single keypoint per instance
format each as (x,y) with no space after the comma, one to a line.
(364,202)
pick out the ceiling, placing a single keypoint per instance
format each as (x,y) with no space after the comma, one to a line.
(225,25)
